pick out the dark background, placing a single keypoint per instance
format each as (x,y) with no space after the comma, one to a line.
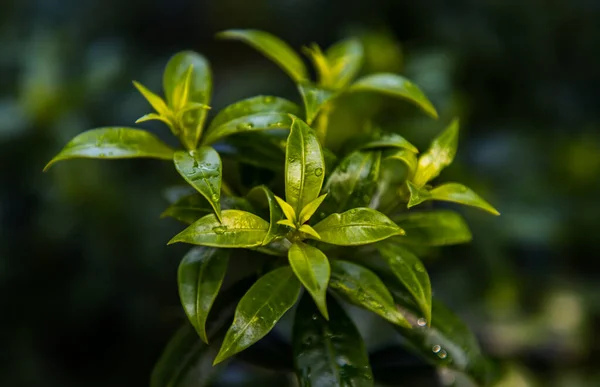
(87,284)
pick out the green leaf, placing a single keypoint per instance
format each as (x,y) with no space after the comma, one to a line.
(312,269)
(200,276)
(305,228)
(114,143)
(357,226)
(238,229)
(188,209)
(458,193)
(287,222)
(345,60)
(407,157)
(202,169)
(319,61)
(314,98)
(259,310)
(328,353)
(198,90)
(433,228)
(288,211)
(251,114)
(273,48)
(417,195)
(304,166)
(154,117)
(390,140)
(309,209)
(395,86)
(275,212)
(361,287)
(353,182)
(439,155)
(157,103)
(409,269)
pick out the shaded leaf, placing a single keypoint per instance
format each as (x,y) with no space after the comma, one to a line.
(275,212)
(311,267)
(433,228)
(328,353)
(114,143)
(389,140)
(396,86)
(407,157)
(314,98)
(202,169)
(304,166)
(190,208)
(259,310)
(345,60)
(237,229)
(154,117)
(273,48)
(440,154)
(357,226)
(361,287)
(251,114)
(200,276)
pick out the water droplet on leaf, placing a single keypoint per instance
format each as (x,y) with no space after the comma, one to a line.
(220,230)
(422,322)
(318,171)
(436,348)
(269,99)
(245,126)
(314,317)
(442,354)
(419,267)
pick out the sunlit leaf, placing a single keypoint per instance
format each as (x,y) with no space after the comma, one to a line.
(433,228)
(114,143)
(389,140)
(287,210)
(309,209)
(311,267)
(345,60)
(439,155)
(305,228)
(275,212)
(157,103)
(454,192)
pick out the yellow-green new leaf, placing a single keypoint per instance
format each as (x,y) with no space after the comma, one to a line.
(409,269)
(304,166)
(439,155)
(309,209)
(363,288)
(187,79)
(458,193)
(358,226)
(314,98)
(200,276)
(433,228)
(312,269)
(287,222)
(155,117)
(251,114)
(407,157)
(305,228)
(114,143)
(345,60)
(395,86)
(275,213)
(259,310)
(238,229)
(202,169)
(319,61)
(288,211)
(157,103)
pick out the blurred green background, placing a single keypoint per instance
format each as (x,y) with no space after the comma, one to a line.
(87,284)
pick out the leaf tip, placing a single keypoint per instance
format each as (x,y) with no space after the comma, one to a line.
(50,163)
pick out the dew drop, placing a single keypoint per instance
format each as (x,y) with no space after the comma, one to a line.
(220,230)
(215,197)
(269,99)
(245,126)
(318,171)
(436,348)
(442,354)
(279,124)
(422,322)
(314,317)
(419,267)
(274,125)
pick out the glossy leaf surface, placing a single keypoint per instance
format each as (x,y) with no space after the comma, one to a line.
(273,48)
(309,209)
(411,272)
(357,226)
(114,143)
(157,103)
(197,89)
(328,353)
(259,310)
(287,210)
(433,228)
(305,228)
(458,193)
(252,114)
(353,182)
(311,267)
(362,287)
(202,169)
(200,276)
(238,229)
(275,212)
(345,60)
(439,155)
(396,86)
(390,140)
(314,98)
(304,166)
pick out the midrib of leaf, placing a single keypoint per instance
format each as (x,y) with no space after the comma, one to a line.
(299,203)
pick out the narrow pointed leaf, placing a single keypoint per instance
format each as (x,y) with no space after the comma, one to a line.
(251,114)
(390,140)
(311,267)
(157,103)
(458,193)
(288,211)
(417,195)
(259,310)
(305,228)
(200,276)
(395,86)
(153,117)
(287,222)
(310,209)
(199,89)
(361,287)
(357,226)
(433,228)
(314,98)
(237,229)
(114,143)
(409,269)
(275,212)
(439,155)
(319,61)
(304,166)
(345,60)
(328,353)
(202,169)
(354,181)
(273,48)
(407,157)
